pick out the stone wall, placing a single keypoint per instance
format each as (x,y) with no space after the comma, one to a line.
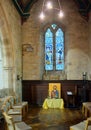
(13,35)
(76,41)
(89,65)
(10,28)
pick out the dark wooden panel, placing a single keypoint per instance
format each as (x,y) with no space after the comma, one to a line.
(35,91)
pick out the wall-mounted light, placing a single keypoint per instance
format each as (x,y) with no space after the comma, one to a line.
(84,75)
(19,77)
(27,48)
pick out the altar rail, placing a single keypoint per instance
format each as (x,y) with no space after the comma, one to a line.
(35,91)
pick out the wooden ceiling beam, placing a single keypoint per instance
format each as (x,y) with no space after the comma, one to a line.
(21,12)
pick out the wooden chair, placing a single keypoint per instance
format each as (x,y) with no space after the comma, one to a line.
(16,104)
(88,123)
(15,114)
(11,125)
(84,125)
(86,109)
(21,104)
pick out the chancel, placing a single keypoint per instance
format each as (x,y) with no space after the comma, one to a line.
(45,64)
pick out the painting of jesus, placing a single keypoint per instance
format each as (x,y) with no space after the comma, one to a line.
(54,90)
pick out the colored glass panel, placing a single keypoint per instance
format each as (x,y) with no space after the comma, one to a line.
(54,46)
(54,26)
(48,50)
(59,50)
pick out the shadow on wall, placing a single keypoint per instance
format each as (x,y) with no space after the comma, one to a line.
(54,76)
(4,92)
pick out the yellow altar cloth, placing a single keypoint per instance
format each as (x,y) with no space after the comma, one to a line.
(53,103)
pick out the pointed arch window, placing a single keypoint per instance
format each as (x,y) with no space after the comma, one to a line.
(54,48)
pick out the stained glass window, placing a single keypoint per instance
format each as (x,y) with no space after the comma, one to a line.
(48,50)
(59,45)
(54,48)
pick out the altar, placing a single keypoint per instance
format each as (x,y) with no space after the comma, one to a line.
(53,103)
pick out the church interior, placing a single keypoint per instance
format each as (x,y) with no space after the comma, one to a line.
(45,65)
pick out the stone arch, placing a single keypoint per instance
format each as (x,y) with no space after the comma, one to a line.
(8,53)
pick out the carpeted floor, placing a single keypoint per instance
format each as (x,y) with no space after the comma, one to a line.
(53,119)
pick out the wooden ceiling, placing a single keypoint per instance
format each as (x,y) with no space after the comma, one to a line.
(24,6)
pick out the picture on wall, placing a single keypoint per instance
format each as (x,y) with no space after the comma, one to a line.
(54,90)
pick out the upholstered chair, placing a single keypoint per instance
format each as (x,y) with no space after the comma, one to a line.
(11,125)
(21,104)
(84,125)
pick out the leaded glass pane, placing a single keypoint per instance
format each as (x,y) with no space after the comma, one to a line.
(59,50)
(48,50)
(53,26)
(54,48)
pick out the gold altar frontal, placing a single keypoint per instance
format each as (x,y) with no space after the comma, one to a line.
(53,103)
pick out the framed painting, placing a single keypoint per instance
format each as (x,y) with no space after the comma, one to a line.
(54,90)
